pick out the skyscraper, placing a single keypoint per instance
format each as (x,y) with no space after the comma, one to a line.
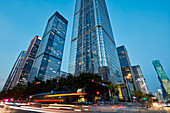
(26,65)
(49,57)
(127,72)
(163,78)
(140,80)
(13,72)
(126,68)
(93,48)
(159,95)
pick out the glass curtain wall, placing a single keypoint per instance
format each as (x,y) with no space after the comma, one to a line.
(12,75)
(92,44)
(49,58)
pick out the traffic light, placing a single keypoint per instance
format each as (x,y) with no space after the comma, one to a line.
(100,82)
(37,83)
(97,92)
(92,80)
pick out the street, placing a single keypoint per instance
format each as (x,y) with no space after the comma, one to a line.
(11,109)
(100,109)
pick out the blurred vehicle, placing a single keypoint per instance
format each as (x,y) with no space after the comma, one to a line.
(57,97)
(156,105)
(167,104)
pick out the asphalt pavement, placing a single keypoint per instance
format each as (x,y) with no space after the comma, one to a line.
(99,109)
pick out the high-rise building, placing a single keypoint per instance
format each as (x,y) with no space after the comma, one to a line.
(13,72)
(49,57)
(126,68)
(28,60)
(140,80)
(163,78)
(93,48)
(127,71)
(159,95)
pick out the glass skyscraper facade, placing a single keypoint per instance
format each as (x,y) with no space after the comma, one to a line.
(28,60)
(140,80)
(127,71)
(163,78)
(49,57)
(12,75)
(126,67)
(93,47)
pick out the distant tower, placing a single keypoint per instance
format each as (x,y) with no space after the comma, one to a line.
(140,80)
(159,95)
(165,83)
(49,57)
(93,47)
(13,72)
(28,60)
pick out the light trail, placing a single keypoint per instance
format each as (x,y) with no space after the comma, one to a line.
(40,110)
(68,94)
(48,100)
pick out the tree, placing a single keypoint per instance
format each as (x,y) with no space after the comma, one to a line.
(2,94)
(85,82)
(138,95)
(148,97)
(113,88)
(69,83)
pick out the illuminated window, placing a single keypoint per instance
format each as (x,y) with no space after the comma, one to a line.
(123,52)
(80,63)
(52,32)
(39,38)
(127,69)
(54,71)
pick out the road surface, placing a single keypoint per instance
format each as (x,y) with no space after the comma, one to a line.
(101,109)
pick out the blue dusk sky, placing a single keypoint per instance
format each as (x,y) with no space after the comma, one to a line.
(143,26)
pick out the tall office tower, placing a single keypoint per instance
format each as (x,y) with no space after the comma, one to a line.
(159,95)
(49,57)
(127,70)
(26,65)
(165,83)
(140,80)
(14,71)
(93,47)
